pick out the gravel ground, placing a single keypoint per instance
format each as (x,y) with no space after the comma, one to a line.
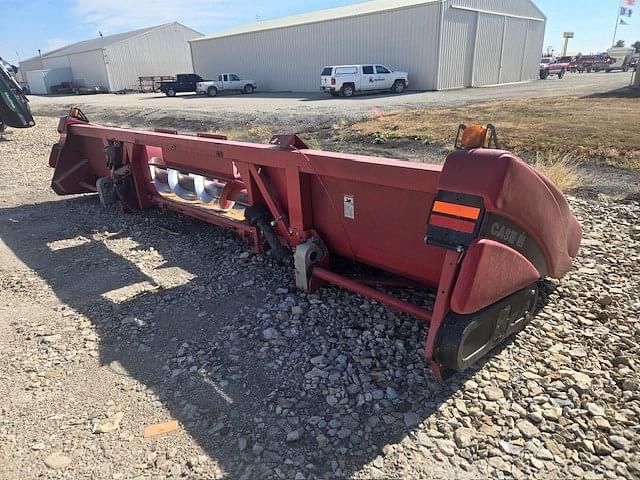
(110,323)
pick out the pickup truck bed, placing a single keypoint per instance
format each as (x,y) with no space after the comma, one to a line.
(184,82)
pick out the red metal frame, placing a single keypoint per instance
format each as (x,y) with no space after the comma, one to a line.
(369,210)
(378,296)
(450,269)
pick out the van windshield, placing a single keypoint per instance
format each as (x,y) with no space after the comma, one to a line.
(327,71)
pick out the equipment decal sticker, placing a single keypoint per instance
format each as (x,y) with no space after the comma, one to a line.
(349,207)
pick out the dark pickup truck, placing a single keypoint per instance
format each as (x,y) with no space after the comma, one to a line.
(184,82)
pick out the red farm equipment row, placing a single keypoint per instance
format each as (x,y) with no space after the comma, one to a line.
(479,231)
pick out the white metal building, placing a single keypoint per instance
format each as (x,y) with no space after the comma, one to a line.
(115,62)
(443,44)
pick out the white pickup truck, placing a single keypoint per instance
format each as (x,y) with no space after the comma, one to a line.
(346,80)
(226,81)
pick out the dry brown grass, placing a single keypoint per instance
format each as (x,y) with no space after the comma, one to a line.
(603,129)
(262,134)
(253,133)
(562,170)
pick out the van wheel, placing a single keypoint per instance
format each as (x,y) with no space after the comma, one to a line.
(212,91)
(171,93)
(347,91)
(398,86)
(248,89)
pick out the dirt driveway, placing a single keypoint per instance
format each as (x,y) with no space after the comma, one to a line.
(299,112)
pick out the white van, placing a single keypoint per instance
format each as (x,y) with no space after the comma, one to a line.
(346,80)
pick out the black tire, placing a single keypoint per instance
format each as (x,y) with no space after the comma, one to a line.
(170,93)
(398,86)
(561,74)
(348,90)
(212,91)
(248,89)
(608,70)
(544,74)
(625,69)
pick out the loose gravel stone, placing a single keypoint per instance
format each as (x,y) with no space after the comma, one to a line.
(527,429)
(493,393)
(104,313)
(595,410)
(411,419)
(57,461)
(464,437)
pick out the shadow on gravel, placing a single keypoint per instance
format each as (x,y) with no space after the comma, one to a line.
(201,346)
(624,92)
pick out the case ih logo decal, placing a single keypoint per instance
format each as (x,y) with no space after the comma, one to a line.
(516,238)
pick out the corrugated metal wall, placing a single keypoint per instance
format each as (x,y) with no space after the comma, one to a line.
(498,40)
(535,42)
(41,81)
(488,50)
(513,50)
(30,65)
(162,51)
(89,70)
(56,62)
(458,45)
(471,51)
(291,59)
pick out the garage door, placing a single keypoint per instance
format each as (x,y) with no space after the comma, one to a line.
(458,39)
(488,50)
(535,38)
(514,50)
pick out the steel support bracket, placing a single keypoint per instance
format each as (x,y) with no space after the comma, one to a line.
(306,256)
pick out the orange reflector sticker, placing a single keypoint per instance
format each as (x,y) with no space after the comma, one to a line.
(463,211)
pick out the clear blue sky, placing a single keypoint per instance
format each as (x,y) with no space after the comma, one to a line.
(26,25)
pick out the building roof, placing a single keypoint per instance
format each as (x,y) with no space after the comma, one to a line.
(354,10)
(97,43)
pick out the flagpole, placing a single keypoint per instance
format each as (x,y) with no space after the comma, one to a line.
(615,32)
